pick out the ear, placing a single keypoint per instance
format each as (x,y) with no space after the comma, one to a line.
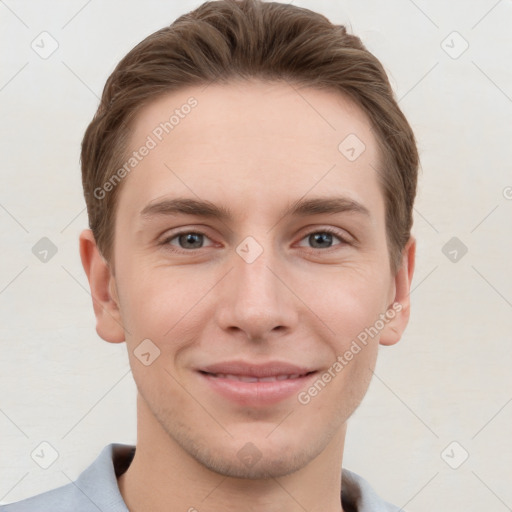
(400,308)
(105,301)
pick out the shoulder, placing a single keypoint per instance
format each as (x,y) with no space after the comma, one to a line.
(63,499)
(95,489)
(358,494)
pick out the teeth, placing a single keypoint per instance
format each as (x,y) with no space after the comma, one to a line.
(244,378)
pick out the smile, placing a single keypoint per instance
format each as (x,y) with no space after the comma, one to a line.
(249,378)
(253,385)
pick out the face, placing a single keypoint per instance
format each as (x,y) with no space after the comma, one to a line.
(255,287)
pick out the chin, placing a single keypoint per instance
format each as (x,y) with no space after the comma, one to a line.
(252,454)
(250,462)
(254,450)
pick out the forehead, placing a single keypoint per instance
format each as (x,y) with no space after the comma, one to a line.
(251,142)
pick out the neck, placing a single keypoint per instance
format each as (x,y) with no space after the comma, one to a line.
(162,473)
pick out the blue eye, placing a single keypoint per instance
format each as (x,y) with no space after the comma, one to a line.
(324,239)
(187,240)
(320,239)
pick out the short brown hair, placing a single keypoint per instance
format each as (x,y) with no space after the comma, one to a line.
(244,39)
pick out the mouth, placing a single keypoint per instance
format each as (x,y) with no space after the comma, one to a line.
(255,385)
(253,378)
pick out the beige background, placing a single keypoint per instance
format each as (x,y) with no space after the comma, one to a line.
(447,381)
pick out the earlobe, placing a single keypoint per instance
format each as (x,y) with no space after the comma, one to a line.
(103,290)
(399,310)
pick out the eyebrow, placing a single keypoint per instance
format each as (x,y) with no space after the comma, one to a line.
(207,209)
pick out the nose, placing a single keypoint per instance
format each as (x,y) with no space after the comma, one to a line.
(255,300)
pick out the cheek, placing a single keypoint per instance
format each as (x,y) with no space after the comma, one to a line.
(359,304)
(144,301)
(348,302)
(162,305)
(357,375)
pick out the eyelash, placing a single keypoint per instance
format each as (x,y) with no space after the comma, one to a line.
(331,231)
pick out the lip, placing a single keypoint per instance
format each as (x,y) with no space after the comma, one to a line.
(256,385)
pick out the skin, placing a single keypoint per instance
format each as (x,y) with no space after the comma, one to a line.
(255,148)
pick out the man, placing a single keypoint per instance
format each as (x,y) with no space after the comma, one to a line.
(249,180)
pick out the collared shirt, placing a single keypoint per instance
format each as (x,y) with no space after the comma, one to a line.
(96,489)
